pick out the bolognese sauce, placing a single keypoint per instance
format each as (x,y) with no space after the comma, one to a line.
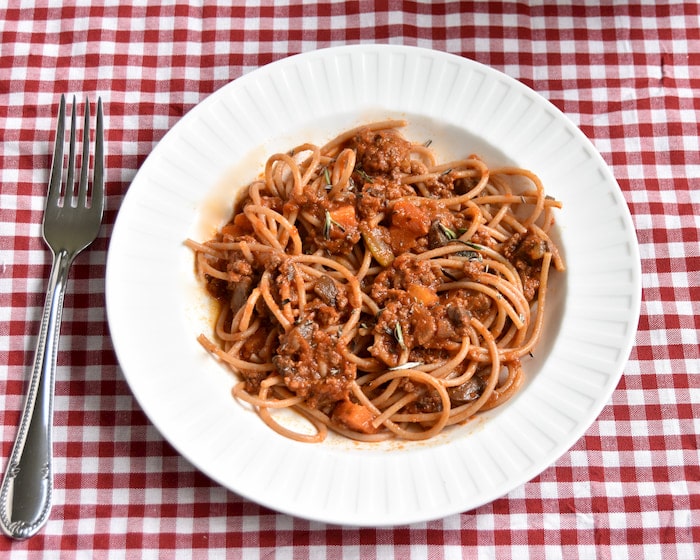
(376,291)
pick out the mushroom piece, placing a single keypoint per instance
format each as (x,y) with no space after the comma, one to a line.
(468,391)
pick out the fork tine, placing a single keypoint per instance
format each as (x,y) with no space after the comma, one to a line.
(97,199)
(70,184)
(83,185)
(98,173)
(57,164)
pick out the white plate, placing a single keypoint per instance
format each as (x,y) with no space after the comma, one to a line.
(185,189)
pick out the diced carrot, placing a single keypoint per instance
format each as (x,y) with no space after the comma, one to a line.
(355,417)
(240,225)
(344,216)
(408,216)
(402,240)
(425,295)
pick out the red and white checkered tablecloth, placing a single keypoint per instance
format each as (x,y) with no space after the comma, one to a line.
(627,74)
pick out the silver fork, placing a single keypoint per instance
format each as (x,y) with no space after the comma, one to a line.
(71,223)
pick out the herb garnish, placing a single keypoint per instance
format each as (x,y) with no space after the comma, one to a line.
(398,335)
(475,246)
(447,231)
(407,365)
(328,223)
(362,173)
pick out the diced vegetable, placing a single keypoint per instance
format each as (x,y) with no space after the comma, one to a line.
(240,225)
(355,417)
(423,294)
(344,216)
(377,245)
(402,240)
(408,216)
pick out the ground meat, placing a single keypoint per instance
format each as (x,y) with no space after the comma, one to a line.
(283,286)
(375,194)
(453,315)
(442,186)
(371,202)
(526,251)
(403,324)
(273,202)
(241,277)
(333,237)
(338,241)
(253,345)
(332,303)
(324,314)
(312,365)
(382,152)
(428,401)
(472,266)
(525,248)
(483,238)
(217,288)
(404,271)
(531,283)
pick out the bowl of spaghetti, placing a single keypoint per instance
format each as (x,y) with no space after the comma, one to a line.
(386,284)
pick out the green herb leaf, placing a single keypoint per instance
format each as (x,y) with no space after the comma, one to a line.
(475,246)
(362,173)
(329,222)
(327,225)
(398,335)
(447,231)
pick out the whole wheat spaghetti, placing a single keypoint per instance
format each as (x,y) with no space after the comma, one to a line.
(376,291)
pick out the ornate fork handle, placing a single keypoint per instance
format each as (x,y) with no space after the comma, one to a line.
(25,496)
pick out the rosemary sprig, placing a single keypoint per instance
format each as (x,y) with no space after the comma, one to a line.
(362,173)
(447,231)
(329,222)
(398,335)
(407,365)
(474,246)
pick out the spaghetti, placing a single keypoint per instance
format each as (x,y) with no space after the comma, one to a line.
(378,292)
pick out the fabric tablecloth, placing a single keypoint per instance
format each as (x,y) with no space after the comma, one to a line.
(627,74)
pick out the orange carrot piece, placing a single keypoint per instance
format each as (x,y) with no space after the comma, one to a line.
(344,216)
(426,296)
(407,215)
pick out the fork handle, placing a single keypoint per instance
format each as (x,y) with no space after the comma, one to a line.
(25,495)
